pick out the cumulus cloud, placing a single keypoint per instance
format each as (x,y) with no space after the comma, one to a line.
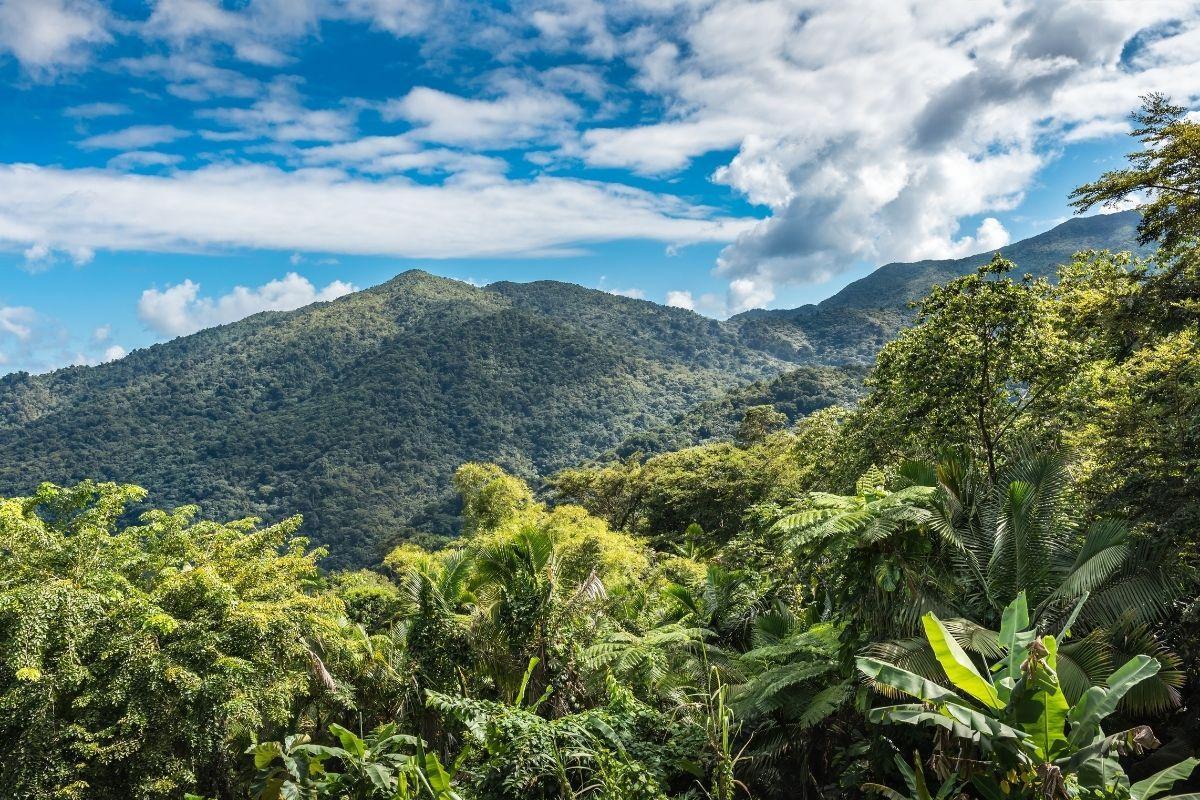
(747,293)
(870,130)
(324,211)
(631,292)
(523,114)
(112,353)
(47,36)
(180,309)
(681,299)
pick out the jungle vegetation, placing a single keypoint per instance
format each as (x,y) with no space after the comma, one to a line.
(978,581)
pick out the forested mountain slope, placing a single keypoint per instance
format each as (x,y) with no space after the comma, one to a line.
(355,413)
(853,324)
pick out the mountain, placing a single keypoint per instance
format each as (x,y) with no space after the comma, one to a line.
(356,412)
(851,326)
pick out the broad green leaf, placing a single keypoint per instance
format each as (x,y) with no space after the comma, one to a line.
(379,776)
(1097,703)
(1160,782)
(906,772)
(1014,620)
(918,714)
(350,743)
(1043,713)
(957,664)
(904,681)
(984,724)
(437,776)
(265,753)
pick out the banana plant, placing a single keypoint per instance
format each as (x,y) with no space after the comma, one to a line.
(1012,731)
(918,787)
(373,767)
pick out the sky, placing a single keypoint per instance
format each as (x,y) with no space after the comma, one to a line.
(175,164)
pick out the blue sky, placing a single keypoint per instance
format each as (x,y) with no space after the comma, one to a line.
(169,165)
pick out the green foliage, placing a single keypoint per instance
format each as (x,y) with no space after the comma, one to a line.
(714,486)
(1166,168)
(1015,716)
(757,423)
(356,413)
(692,615)
(982,355)
(137,656)
(385,765)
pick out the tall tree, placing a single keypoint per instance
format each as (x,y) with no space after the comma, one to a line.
(1166,169)
(983,354)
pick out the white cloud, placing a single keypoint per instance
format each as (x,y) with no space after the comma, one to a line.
(17,322)
(179,310)
(102,334)
(134,137)
(191,78)
(192,23)
(326,211)
(96,110)
(747,293)
(143,158)
(113,352)
(523,114)
(871,129)
(631,292)
(990,235)
(41,256)
(281,116)
(386,155)
(681,299)
(37,253)
(47,36)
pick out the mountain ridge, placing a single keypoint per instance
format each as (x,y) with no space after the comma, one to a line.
(356,411)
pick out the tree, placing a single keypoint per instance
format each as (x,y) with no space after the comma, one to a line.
(139,660)
(1024,535)
(1166,168)
(981,357)
(757,422)
(1130,411)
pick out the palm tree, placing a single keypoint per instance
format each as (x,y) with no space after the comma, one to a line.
(964,547)
(1022,534)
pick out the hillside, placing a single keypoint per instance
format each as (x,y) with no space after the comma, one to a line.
(354,413)
(851,326)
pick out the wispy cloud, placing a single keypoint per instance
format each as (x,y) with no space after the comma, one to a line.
(134,137)
(321,210)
